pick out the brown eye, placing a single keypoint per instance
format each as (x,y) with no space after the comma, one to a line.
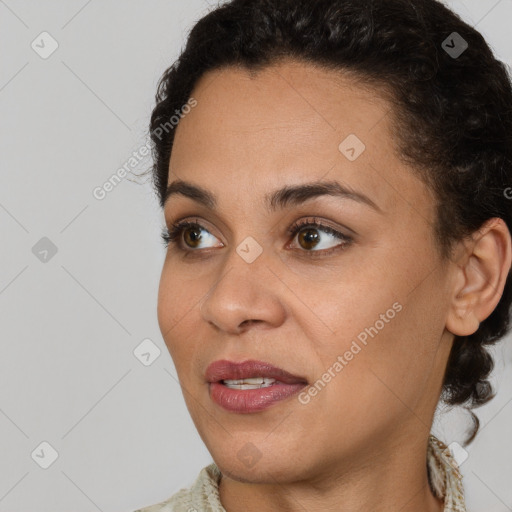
(308,238)
(192,236)
(317,238)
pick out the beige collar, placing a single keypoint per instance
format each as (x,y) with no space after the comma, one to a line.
(444,476)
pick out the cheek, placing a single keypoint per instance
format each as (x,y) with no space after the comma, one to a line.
(381,373)
(387,320)
(392,358)
(178,300)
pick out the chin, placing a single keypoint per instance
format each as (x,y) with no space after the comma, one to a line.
(263,472)
(242,461)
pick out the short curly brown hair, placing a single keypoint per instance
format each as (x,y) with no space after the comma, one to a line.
(452,114)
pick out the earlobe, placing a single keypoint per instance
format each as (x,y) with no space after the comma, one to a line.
(480,277)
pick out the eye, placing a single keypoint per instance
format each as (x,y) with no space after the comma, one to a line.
(313,236)
(189,234)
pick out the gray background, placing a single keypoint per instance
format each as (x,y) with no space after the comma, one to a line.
(70,321)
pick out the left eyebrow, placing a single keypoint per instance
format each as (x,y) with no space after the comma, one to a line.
(279,199)
(293,195)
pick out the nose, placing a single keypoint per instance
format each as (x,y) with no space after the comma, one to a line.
(245,294)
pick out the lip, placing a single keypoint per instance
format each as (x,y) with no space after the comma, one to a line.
(224,369)
(251,400)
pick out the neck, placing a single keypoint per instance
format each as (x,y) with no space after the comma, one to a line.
(384,480)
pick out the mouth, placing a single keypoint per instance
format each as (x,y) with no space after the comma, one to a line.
(250,386)
(255,374)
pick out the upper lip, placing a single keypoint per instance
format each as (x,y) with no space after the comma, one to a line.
(231,370)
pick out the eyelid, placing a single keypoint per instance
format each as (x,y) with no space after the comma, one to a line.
(199,215)
(322,224)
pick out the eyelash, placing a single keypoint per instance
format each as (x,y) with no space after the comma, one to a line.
(170,236)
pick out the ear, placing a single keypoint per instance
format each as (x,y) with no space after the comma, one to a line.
(480,275)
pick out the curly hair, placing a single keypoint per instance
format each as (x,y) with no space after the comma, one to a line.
(452,115)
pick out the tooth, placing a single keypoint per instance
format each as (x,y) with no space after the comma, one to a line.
(232,382)
(252,380)
(249,383)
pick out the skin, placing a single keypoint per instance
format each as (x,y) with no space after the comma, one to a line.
(359,444)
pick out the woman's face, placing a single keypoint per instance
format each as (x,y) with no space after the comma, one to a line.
(358,319)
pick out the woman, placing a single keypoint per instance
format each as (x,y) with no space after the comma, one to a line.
(333,175)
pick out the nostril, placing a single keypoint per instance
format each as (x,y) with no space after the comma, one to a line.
(246,323)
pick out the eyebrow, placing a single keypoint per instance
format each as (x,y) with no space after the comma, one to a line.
(279,199)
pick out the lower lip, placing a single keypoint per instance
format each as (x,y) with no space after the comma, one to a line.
(251,400)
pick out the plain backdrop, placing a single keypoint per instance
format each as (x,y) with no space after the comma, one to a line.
(90,419)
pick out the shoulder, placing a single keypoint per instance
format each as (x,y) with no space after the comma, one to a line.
(201,496)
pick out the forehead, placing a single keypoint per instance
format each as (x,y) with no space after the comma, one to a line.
(290,123)
(300,104)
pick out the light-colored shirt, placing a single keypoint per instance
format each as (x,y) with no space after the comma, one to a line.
(203,496)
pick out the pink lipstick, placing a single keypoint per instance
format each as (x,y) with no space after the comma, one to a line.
(250,386)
